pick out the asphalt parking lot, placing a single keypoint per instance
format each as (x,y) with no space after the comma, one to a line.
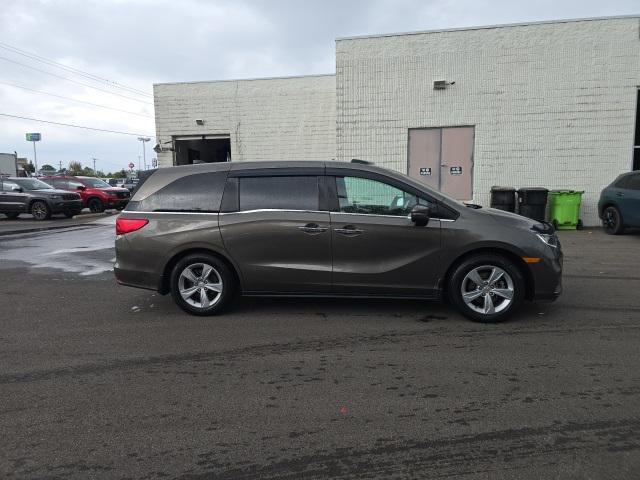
(103,381)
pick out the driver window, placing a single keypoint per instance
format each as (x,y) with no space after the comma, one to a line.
(361,195)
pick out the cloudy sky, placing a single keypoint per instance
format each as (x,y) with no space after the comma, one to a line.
(122,47)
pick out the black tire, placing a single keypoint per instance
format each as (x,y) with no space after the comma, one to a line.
(95,205)
(484,264)
(12,215)
(612,221)
(223,276)
(40,210)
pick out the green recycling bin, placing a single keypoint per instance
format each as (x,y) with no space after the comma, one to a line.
(564,209)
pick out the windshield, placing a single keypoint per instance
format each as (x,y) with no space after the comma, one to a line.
(95,183)
(32,184)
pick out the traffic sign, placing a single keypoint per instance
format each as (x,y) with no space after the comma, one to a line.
(131,165)
(33,137)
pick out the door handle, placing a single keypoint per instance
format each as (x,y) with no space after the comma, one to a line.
(349,231)
(619,194)
(312,228)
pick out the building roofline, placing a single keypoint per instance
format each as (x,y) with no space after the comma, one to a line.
(286,77)
(488,27)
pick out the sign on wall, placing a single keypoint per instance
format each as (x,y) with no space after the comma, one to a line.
(425,171)
(455,170)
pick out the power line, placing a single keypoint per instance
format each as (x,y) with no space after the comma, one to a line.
(76,126)
(75,100)
(77,71)
(74,81)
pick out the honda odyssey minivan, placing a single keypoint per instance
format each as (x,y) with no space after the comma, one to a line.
(328,229)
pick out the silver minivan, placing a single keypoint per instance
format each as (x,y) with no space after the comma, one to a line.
(207,232)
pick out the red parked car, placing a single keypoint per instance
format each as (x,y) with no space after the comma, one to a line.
(96,195)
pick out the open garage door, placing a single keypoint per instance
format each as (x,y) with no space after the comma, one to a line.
(202,149)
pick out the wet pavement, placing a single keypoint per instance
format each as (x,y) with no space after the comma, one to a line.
(103,381)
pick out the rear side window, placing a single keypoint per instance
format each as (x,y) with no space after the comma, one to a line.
(8,185)
(57,183)
(193,193)
(285,193)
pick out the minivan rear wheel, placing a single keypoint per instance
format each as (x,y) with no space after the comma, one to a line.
(486,288)
(202,284)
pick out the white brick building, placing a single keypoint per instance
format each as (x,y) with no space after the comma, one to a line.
(551,104)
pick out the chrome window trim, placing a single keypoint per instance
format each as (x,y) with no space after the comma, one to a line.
(257,210)
(136,212)
(389,216)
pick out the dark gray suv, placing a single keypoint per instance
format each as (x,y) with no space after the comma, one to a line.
(30,195)
(206,232)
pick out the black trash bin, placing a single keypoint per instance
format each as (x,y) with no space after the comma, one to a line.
(532,202)
(503,198)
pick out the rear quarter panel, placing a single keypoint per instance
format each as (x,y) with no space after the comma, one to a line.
(149,250)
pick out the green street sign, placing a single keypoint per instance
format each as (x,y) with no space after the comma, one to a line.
(33,137)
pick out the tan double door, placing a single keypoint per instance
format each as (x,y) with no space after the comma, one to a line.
(443,159)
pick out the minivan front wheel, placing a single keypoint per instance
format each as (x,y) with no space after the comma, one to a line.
(202,284)
(486,288)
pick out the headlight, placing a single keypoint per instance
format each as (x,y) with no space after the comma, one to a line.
(113,194)
(549,239)
(56,197)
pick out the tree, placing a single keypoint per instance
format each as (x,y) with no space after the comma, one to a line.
(29,168)
(47,167)
(75,168)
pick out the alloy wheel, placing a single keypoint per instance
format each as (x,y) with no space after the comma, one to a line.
(487,290)
(200,285)
(39,211)
(609,219)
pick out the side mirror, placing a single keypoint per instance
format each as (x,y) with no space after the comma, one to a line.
(17,189)
(420,215)
(81,187)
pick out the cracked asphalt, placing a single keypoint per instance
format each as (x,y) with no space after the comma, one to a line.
(103,381)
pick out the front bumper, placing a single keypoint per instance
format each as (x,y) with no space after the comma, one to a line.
(60,206)
(547,277)
(113,202)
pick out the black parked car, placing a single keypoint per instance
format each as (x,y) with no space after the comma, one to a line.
(619,205)
(30,195)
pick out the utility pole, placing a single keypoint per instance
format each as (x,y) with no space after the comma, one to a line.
(60,169)
(144,141)
(94,165)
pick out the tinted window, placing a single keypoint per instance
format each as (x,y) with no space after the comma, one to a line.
(286,193)
(362,195)
(193,193)
(8,185)
(633,182)
(58,183)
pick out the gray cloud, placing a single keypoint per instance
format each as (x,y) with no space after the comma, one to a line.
(141,42)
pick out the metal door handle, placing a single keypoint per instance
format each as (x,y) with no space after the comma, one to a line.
(349,231)
(312,228)
(620,194)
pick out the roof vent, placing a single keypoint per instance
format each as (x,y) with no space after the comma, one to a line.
(441,84)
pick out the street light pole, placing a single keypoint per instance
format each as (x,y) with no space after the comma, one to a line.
(94,165)
(144,140)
